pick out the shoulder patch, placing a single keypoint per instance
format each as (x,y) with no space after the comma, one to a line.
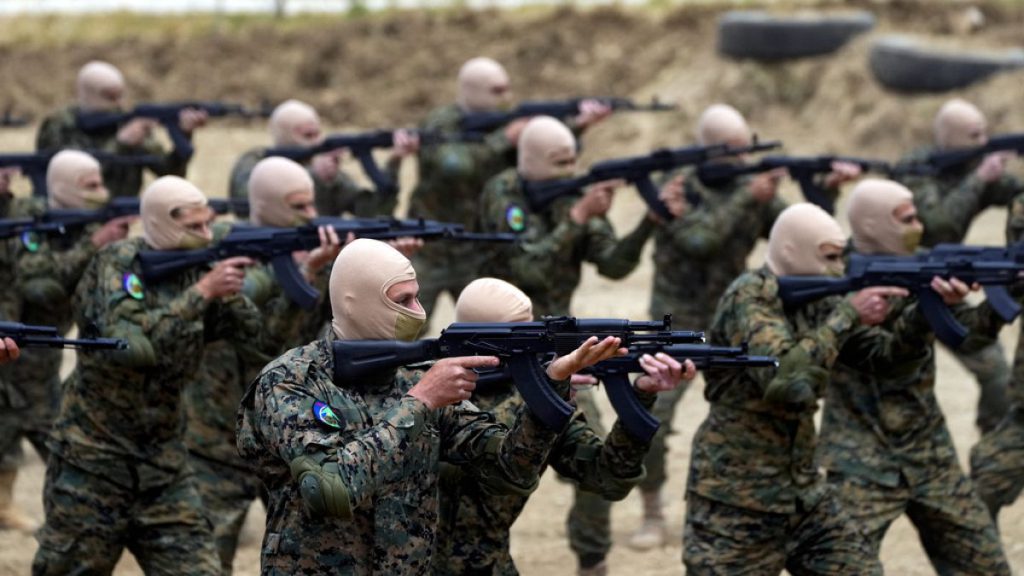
(133,286)
(30,240)
(515,217)
(325,415)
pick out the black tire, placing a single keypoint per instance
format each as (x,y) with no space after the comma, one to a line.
(900,64)
(762,36)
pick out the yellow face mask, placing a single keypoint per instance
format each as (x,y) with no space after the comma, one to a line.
(912,239)
(192,241)
(408,327)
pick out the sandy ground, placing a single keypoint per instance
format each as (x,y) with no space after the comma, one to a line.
(824,104)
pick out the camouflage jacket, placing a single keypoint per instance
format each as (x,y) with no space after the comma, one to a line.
(749,452)
(10,305)
(475,523)
(948,202)
(697,256)
(121,415)
(881,419)
(1015,233)
(452,175)
(385,448)
(340,196)
(547,263)
(212,397)
(60,130)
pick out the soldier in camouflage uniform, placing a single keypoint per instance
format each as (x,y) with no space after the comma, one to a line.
(884,441)
(118,474)
(281,195)
(755,500)
(101,88)
(352,467)
(296,124)
(947,204)
(452,175)
(474,525)
(48,270)
(997,460)
(547,266)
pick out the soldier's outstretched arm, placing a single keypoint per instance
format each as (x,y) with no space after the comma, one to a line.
(616,257)
(701,234)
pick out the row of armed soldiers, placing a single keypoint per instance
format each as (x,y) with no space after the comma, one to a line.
(228,390)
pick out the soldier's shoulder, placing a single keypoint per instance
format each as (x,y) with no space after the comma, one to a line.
(443,118)
(63,117)
(122,252)
(753,284)
(296,366)
(28,207)
(504,182)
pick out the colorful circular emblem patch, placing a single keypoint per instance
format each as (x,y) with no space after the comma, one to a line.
(325,415)
(133,286)
(30,240)
(515,218)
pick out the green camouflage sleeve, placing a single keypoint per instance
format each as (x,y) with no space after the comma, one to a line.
(1002,191)
(610,467)
(344,195)
(703,233)
(363,459)
(615,258)
(47,275)
(1015,220)
(949,215)
(503,460)
(238,181)
(759,318)
(237,320)
(145,328)
(875,349)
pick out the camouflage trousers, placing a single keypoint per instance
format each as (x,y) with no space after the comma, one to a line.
(997,463)
(445,266)
(226,493)
(819,540)
(991,370)
(955,529)
(90,521)
(30,401)
(589,521)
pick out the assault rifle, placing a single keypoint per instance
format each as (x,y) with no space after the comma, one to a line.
(994,268)
(491,121)
(362,146)
(636,170)
(28,336)
(33,164)
(167,114)
(275,245)
(940,161)
(614,373)
(12,227)
(803,169)
(521,346)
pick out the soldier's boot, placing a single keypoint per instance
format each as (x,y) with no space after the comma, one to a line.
(651,533)
(11,518)
(599,569)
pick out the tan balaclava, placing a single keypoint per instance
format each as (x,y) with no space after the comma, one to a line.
(723,124)
(159,201)
(493,300)
(478,79)
(96,82)
(293,122)
(66,177)
(363,272)
(959,124)
(270,183)
(543,143)
(872,213)
(796,240)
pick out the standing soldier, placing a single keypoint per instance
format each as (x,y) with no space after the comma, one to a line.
(547,264)
(48,271)
(118,473)
(281,195)
(296,124)
(352,466)
(755,499)
(474,525)
(101,89)
(453,175)
(997,460)
(696,256)
(947,204)
(884,441)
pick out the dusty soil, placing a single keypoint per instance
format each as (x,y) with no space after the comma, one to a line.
(389,69)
